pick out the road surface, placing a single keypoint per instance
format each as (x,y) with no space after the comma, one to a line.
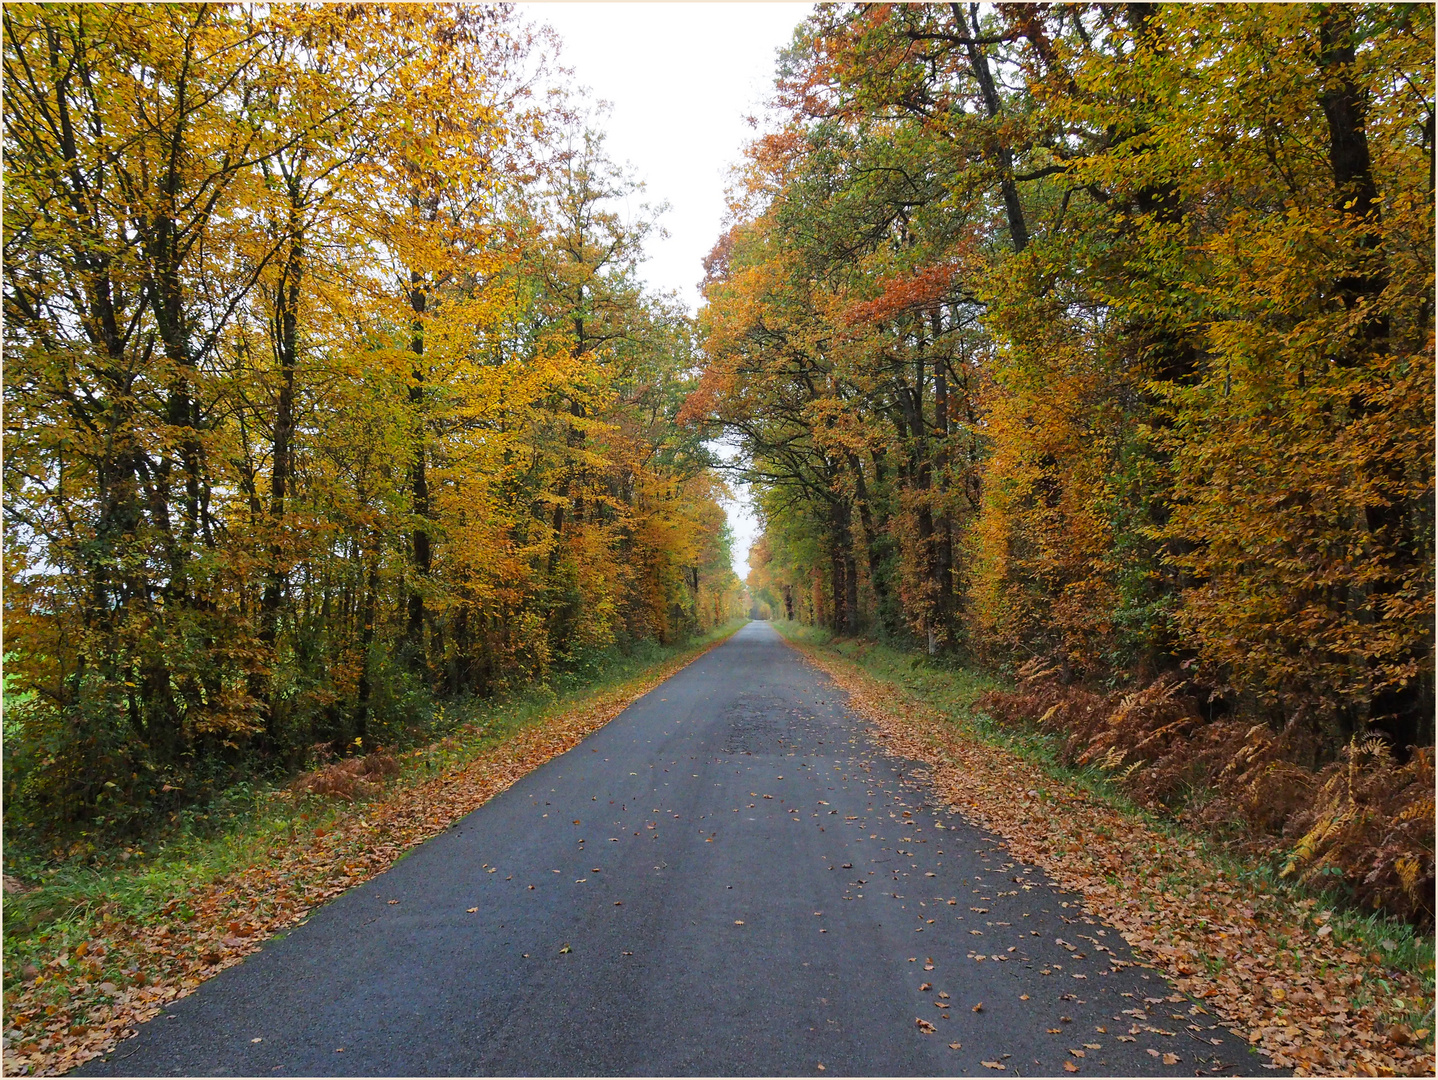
(729,878)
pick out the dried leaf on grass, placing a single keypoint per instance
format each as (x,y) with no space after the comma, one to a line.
(357,777)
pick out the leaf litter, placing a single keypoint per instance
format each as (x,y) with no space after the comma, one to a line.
(1266,962)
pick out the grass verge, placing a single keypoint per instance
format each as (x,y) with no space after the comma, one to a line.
(93,952)
(1322,990)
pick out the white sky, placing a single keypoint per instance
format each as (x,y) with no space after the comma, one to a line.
(680,79)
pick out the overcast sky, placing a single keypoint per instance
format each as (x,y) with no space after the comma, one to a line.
(680,80)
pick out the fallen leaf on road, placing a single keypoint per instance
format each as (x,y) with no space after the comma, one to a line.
(1069,1066)
(956,1046)
(1242,933)
(566,949)
(1170,1059)
(738,922)
(1076,1053)
(924,1026)
(472,910)
(992,1065)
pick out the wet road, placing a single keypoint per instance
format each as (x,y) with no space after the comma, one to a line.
(729,878)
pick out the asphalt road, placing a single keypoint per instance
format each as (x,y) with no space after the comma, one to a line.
(730,878)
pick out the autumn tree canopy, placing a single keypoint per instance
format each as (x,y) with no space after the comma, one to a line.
(1100,335)
(330,387)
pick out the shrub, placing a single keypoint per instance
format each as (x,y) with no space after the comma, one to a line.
(1364,819)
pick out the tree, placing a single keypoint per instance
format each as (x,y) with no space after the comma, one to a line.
(330,389)
(1123,374)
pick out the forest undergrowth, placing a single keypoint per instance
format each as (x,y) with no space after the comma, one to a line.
(1361,826)
(1321,986)
(99,948)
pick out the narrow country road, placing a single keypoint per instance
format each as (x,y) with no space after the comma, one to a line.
(729,878)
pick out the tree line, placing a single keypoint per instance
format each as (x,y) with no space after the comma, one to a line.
(331,389)
(1100,337)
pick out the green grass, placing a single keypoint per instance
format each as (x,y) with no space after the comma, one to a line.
(952,689)
(238,831)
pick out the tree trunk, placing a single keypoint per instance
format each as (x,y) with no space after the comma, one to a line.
(943,540)
(872,537)
(1357,195)
(367,617)
(1405,713)
(286,338)
(419,492)
(851,593)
